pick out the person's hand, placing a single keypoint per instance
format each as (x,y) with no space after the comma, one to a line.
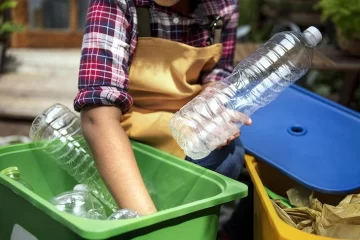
(236,134)
(235,117)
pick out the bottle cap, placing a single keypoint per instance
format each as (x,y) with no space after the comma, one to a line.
(315,37)
(10,171)
(81,187)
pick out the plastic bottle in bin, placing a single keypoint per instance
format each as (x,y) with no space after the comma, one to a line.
(57,131)
(79,203)
(217,113)
(14,173)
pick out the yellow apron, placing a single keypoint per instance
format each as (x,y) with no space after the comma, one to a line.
(163,78)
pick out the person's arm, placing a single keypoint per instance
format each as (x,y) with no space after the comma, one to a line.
(108,44)
(114,157)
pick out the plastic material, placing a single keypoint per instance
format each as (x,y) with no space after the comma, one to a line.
(188,198)
(267,224)
(123,214)
(311,139)
(215,115)
(315,37)
(14,174)
(79,203)
(58,129)
(81,187)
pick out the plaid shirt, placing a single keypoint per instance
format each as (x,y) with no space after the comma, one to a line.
(110,40)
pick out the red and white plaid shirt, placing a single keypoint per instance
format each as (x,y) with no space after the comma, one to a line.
(110,39)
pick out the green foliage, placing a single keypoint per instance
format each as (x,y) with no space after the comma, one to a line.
(7,27)
(249,13)
(8,4)
(345,14)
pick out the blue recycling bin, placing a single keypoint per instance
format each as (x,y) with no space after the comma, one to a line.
(310,139)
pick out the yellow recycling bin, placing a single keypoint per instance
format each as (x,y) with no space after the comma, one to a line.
(267,223)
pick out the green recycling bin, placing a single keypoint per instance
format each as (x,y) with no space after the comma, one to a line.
(188,198)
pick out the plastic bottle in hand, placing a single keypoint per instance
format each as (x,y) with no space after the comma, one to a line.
(217,113)
(14,173)
(57,131)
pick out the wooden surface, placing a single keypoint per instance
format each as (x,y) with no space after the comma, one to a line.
(343,62)
(14,127)
(24,96)
(74,15)
(46,38)
(320,61)
(20,13)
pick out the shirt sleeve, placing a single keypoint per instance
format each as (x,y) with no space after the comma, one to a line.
(225,65)
(108,43)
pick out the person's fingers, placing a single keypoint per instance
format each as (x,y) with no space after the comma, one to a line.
(236,135)
(236,117)
(248,121)
(239,117)
(222,145)
(229,140)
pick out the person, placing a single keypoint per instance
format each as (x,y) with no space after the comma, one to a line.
(141,61)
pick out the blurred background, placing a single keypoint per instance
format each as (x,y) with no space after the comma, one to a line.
(40,43)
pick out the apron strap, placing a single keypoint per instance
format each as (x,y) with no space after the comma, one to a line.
(216,27)
(143,22)
(144,25)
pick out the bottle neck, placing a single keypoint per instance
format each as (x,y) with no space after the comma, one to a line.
(12,172)
(15,176)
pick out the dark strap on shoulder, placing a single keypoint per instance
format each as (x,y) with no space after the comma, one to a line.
(216,28)
(143,22)
(144,25)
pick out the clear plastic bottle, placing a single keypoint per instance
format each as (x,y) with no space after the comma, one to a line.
(79,203)
(14,173)
(57,131)
(217,113)
(123,214)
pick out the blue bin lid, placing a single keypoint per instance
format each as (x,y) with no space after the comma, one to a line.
(314,141)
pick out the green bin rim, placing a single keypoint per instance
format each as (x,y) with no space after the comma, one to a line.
(100,229)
